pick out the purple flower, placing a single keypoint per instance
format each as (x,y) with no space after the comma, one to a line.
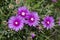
(16,23)
(32,19)
(23,11)
(59,22)
(54,0)
(48,22)
(32,35)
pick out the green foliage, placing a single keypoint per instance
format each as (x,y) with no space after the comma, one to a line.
(58,4)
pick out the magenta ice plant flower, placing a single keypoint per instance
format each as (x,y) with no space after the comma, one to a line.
(23,11)
(33,19)
(54,0)
(48,22)
(59,21)
(33,35)
(16,23)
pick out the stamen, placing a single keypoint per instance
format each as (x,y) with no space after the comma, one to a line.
(48,22)
(23,13)
(16,23)
(32,19)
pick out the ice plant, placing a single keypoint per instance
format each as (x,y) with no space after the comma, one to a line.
(59,22)
(48,22)
(32,35)
(54,0)
(16,23)
(32,19)
(23,11)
